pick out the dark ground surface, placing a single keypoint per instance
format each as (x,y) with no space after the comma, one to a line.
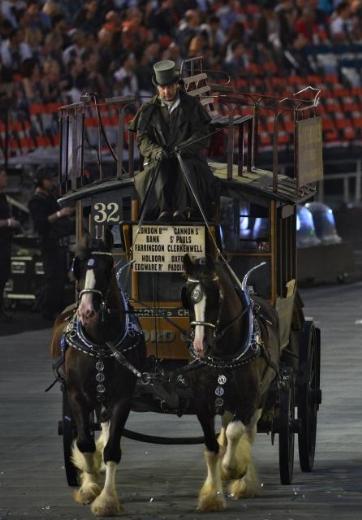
(158,482)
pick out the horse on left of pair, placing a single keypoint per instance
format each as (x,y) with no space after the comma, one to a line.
(100,330)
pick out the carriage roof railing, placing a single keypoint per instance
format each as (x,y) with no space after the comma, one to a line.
(77,122)
(91,116)
(306,142)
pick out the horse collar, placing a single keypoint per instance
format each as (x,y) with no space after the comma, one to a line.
(75,337)
(250,350)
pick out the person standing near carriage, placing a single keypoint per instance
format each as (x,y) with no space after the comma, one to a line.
(8,226)
(173,121)
(53,225)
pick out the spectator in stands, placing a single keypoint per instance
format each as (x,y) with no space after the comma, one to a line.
(52,83)
(89,17)
(197,46)
(188,28)
(77,46)
(10,12)
(164,17)
(13,51)
(237,59)
(134,33)
(306,25)
(341,23)
(273,29)
(35,18)
(95,82)
(228,13)
(295,57)
(173,121)
(216,36)
(29,86)
(7,227)
(53,226)
(125,76)
(109,47)
(144,71)
(356,19)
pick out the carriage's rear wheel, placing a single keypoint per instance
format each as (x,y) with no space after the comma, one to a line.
(68,430)
(309,393)
(286,425)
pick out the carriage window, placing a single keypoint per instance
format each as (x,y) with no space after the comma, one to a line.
(244,225)
(117,238)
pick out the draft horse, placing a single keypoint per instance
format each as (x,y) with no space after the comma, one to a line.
(235,338)
(101,329)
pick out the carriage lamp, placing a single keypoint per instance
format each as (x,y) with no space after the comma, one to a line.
(324,223)
(306,233)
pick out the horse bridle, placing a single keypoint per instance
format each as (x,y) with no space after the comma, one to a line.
(103,305)
(215,326)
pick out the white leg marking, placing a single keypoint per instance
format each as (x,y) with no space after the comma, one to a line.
(211,497)
(234,431)
(89,488)
(101,442)
(247,486)
(107,503)
(199,309)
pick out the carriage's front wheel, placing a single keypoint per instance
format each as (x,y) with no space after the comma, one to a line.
(286,425)
(309,393)
(68,430)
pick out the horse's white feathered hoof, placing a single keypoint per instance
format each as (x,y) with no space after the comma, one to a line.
(209,502)
(244,489)
(86,495)
(106,505)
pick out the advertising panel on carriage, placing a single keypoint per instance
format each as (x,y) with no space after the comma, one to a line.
(160,249)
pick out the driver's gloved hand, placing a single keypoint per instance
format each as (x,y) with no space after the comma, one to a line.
(163,153)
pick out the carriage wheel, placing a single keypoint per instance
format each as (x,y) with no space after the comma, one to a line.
(68,430)
(309,393)
(286,425)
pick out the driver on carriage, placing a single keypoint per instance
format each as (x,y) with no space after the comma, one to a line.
(173,122)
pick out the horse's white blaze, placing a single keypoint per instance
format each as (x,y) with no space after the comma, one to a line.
(85,307)
(199,309)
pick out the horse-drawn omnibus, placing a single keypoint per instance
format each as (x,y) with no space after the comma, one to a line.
(252,235)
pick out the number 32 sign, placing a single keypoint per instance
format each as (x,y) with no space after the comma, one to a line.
(106,213)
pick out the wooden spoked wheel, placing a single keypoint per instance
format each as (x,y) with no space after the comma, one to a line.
(286,425)
(309,394)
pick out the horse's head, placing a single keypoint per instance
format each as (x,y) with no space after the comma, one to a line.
(93,271)
(203,297)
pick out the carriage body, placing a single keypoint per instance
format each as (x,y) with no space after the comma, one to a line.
(255,221)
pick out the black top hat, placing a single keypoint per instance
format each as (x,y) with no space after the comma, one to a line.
(165,73)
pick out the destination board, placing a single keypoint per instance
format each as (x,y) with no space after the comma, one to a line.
(310,150)
(161,249)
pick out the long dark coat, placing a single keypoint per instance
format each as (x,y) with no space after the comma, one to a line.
(186,127)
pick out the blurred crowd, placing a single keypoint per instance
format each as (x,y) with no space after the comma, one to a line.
(53,50)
